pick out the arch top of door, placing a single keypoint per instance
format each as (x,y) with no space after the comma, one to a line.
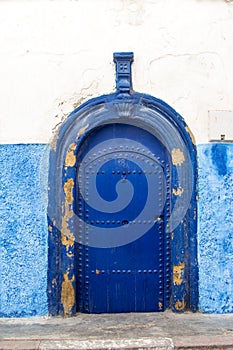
(159,119)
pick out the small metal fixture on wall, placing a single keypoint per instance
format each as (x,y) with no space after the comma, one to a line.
(122,206)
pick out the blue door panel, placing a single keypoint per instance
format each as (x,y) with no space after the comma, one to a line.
(120,197)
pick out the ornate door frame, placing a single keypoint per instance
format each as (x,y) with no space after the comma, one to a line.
(153,115)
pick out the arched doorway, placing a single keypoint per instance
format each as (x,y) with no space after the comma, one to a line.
(122,206)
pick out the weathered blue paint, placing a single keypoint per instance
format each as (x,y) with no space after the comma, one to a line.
(157,118)
(23,231)
(215,227)
(219,158)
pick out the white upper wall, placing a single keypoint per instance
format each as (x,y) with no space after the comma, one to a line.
(57,54)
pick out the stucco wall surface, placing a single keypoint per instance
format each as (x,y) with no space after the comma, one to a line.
(215,227)
(57,54)
(23,231)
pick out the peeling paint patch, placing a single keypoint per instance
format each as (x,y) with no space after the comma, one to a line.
(68,189)
(67,237)
(53,143)
(191,135)
(82,131)
(178,274)
(67,294)
(177,157)
(70,156)
(180,305)
(178,192)
(160,305)
(79,102)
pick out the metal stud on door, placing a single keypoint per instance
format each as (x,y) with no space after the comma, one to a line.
(121,193)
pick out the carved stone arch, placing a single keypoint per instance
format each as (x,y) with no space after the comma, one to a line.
(159,119)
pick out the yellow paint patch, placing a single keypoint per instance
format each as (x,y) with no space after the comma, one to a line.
(97,272)
(67,238)
(50,228)
(177,157)
(191,135)
(197,197)
(160,305)
(70,156)
(178,192)
(180,305)
(178,274)
(68,189)
(67,294)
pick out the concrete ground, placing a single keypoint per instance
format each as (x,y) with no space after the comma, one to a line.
(119,331)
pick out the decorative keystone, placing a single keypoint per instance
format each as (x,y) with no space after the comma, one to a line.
(123,61)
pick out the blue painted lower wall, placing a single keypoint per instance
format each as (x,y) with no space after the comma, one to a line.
(23,229)
(215,228)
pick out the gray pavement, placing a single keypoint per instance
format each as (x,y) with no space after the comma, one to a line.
(119,331)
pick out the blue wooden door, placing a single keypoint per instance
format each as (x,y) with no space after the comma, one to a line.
(121,197)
